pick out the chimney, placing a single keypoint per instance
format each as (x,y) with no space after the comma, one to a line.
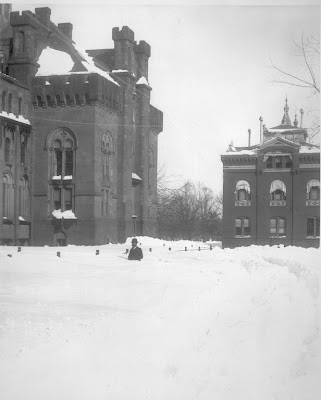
(261,130)
(301,120)
(249,131)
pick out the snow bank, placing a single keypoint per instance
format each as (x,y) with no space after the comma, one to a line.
(223,324)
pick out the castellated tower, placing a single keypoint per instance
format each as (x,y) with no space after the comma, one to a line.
(94,134)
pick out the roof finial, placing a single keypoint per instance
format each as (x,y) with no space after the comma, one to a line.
(286,119)
(295,122)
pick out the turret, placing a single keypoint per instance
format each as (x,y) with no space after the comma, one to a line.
(142,51)
(124,49)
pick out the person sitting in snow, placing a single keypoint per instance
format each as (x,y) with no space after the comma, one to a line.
(135,252)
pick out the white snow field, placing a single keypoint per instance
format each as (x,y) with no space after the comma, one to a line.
(240,324)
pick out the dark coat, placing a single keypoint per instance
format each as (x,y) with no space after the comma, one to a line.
(135,254)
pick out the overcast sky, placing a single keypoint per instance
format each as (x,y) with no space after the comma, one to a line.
(210,71)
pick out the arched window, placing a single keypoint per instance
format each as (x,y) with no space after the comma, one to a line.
(243,191)
(277,226)
(8,199)
(10,103)
(107,149)
(23,153)
(69,158)
(20,41)
(151,166)
(20,106)
(77,99)
(4,97)
(278,191)
(24,197)
(57,158)
(7,151)
(313,189)
(49,104)
(62,144)
(242,227)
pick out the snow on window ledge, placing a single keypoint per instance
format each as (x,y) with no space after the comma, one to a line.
(242,237)
(56,177)
(67,177)
(68,214)
(313,237)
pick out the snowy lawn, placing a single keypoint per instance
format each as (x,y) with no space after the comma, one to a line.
(238,324)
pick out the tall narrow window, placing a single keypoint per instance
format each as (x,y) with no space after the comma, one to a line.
(57,158)
(278,192)
(7,151)
(106,156)
(23,197)
(68,199)
(313,190)
(8,198)
(313,227)
(10,103)
(20,106)
(269,162)
(69,158)
(57,198)
(4,97)
(23,153)
(242,193)
(278,162)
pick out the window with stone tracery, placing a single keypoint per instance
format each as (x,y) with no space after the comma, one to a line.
(107,151)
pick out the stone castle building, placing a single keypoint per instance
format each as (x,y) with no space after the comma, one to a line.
(78,149)
(271,191)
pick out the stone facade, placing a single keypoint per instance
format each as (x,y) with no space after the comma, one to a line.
(271,191)
(92,147)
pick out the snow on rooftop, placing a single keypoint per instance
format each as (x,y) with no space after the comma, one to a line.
(135,176)
(13,117)
(142,81)
(90,65)
(240,152)
(272,130)
(54,62)
(309,149)
(114,71)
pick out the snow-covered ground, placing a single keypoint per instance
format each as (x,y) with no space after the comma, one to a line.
(238,324)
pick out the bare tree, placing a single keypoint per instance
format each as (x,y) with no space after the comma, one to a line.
(189,212)
(308,52)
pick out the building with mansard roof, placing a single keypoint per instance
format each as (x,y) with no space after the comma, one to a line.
(271,191)
(78,139)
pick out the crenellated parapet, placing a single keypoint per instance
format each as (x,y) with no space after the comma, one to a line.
(156,119)
(142,53)
(76,90)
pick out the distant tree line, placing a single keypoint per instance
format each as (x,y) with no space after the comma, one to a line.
(190,211)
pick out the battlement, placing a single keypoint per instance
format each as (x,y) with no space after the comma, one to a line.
(43,15)
(26,18)
(156,119)
(124,34)
(75,90)
(143,48)
(66,28)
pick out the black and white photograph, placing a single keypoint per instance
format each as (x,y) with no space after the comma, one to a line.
(160,200)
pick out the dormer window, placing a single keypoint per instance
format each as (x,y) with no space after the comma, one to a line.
(277,161)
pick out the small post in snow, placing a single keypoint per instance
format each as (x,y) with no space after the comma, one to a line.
(150,249)
(199,249)
(19,249)
(58,253)
(97,252)
(126,251)
(170,249)
(211,248)
(185,248)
